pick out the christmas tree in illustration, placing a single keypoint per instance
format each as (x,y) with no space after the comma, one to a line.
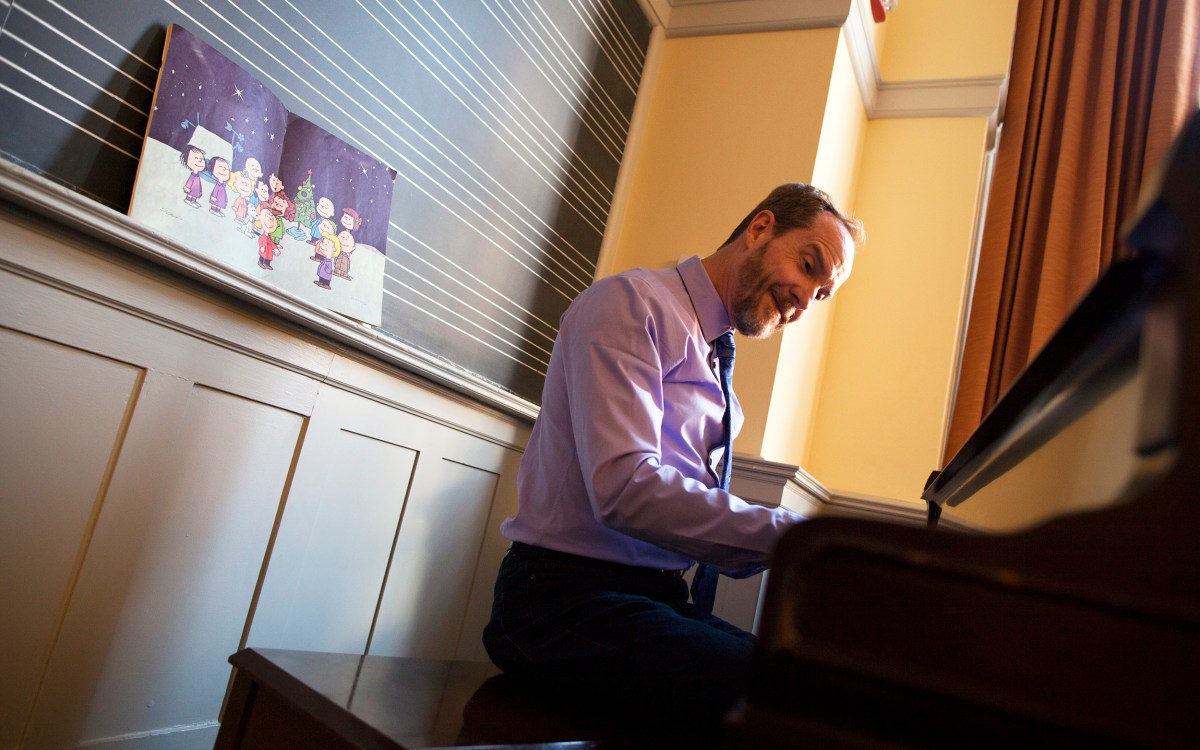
(306,208)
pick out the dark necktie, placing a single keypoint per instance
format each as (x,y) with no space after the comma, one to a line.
(704,583)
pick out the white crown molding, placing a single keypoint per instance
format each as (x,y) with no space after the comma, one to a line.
(955,97)
(706,17)
(860,44)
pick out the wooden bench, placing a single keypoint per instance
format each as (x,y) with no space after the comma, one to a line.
(305,700)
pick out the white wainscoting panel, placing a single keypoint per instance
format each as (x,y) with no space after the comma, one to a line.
(185,608)
(327,567)
(48,495)
(183,474)
(430,579)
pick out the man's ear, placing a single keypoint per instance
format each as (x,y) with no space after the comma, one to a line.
(760,229)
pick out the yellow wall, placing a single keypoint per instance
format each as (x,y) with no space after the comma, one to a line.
(938,39)
(732,117)
(803,345)
(892,351)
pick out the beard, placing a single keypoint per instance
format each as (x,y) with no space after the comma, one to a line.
(755,311)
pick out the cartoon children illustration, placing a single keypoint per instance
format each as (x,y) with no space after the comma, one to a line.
(328,248)
(283,209)
(267,249)
(219,168)
(194,159)
(253,168)
(261,197)
(243,188)
(350,220)
(341,262)
(325,225)
(281,204)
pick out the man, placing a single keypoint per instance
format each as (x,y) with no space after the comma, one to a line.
(618,492)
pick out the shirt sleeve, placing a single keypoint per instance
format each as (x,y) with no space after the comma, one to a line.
(615,375)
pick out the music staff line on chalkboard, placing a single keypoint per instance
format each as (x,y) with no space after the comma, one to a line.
(422,309)
(582,70)
(121,101)
(67,96)
(595,213)
(136,134)
(526,143)
(571,288)
(611,145)
(632,58)
(149,87)
(477,311)
(602,196)
(461,273)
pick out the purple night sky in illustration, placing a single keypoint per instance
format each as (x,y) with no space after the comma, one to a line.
(199,86)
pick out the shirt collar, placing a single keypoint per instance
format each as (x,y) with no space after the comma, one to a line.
(710,310)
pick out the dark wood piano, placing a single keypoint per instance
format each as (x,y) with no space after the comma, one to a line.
(1083,631)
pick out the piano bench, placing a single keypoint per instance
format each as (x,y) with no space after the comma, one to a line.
(304,699)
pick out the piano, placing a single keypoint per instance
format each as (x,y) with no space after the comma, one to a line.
(1080,632)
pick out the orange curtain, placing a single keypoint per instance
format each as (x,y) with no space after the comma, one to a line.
(1097,90)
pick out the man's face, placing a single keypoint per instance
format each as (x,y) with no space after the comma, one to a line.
(783,275)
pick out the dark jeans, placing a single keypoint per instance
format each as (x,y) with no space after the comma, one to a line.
(624,638)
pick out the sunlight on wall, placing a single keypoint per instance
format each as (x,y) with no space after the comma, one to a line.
(878,428)
(803,346)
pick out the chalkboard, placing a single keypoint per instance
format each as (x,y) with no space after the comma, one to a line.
(505,121)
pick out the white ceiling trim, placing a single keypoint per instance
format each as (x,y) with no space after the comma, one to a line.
(706,17)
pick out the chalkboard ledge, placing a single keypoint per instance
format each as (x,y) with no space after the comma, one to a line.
(66,208)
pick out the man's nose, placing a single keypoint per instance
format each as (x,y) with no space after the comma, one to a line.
(805,296)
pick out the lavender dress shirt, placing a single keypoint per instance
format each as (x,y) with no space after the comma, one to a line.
(619,463)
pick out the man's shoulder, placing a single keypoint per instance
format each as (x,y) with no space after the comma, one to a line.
(654,285)
(652,301)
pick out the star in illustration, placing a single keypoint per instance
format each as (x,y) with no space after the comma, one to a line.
(364,171)
(238,93)
(272,136)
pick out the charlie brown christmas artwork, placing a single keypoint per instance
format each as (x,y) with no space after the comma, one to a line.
(227,171)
